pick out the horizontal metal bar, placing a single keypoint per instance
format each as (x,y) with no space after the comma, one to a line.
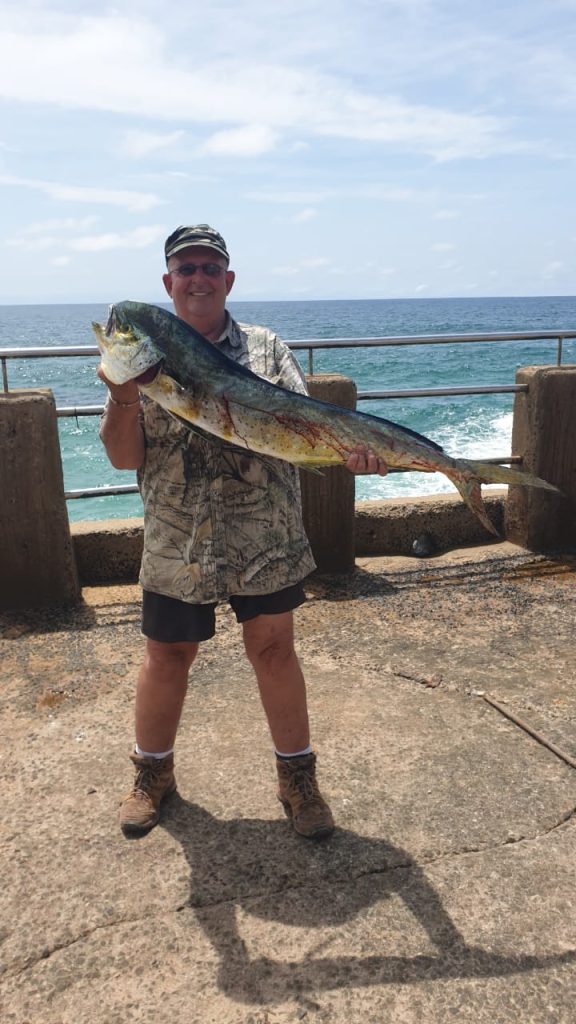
(101,492)
(325,343)
(363,396)
(500,460)
(49,352)
(428,339)
(79,410)
(488,389)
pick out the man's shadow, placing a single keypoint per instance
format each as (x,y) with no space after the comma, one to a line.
(267,870)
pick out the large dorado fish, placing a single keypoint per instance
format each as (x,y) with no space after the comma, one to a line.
(190,378)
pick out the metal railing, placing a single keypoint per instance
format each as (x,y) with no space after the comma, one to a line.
(310,345)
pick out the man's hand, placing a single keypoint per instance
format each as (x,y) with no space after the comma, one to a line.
(124,393)
(363,460)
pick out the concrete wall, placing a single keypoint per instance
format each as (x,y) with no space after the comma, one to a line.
(37,564)
(328,498)
(110,551)
(544,434)
(391,527)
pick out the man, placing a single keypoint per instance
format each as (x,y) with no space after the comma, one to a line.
(219,524)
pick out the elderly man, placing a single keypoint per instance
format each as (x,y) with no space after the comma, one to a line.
(219,525)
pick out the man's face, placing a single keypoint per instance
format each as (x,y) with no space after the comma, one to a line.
(200,298)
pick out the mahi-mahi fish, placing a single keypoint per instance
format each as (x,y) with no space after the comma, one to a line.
(189,377)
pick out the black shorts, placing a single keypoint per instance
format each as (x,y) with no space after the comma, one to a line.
(170,621)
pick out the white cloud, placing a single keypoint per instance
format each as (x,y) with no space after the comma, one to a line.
(137,144)
(286,271)
(366,190)
(135,202)
(314,262)
(289,197)
(306,118)
(302,266)
(248,140)
(552,269)
(305,215)
(140,238)
(138,73)
(34,244)
(60,224)
(443,247)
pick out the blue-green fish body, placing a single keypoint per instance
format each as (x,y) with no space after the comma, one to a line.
(195,382)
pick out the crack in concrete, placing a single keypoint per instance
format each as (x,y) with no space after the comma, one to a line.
(20,967)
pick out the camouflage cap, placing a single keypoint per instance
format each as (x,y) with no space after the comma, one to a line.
(196,234)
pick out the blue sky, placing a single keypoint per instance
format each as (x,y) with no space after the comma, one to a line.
(381,148)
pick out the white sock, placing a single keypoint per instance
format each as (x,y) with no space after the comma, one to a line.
(299,753)
(148,753)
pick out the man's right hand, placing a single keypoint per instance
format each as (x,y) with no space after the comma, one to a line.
(124,393)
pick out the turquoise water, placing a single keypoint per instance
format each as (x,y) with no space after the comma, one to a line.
(473,426)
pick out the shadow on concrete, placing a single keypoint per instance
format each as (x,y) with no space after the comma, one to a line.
(350,585)
(52,619)
(272,874)
(436,572)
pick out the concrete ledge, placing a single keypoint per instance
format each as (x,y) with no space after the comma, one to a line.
(390,527)
(109,551)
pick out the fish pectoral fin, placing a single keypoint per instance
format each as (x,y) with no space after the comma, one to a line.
(213,438)
(310,467)
(314,466)
(191,426)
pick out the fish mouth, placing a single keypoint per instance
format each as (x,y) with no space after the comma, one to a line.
(149,375)
(111,323)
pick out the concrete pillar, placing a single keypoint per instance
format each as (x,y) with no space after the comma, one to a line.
(328,500)
(543,434)
(37,565)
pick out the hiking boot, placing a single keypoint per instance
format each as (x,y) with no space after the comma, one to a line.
(154,781)
(299,794)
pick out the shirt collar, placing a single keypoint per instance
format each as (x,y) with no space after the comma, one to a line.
(229,334)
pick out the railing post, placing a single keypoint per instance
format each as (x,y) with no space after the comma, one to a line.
(543,434)
(37,565)
(328,500)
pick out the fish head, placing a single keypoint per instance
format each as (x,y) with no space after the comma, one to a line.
(127,353)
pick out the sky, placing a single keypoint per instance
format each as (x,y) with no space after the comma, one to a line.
(366,149)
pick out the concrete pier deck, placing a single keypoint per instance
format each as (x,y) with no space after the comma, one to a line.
(448,891)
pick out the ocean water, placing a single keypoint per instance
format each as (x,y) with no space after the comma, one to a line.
(472,426)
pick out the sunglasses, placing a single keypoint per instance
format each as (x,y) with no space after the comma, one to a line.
(208,269)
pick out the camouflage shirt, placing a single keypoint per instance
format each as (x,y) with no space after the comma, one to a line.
(220,521)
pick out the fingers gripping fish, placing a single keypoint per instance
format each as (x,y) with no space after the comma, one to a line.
(190,378)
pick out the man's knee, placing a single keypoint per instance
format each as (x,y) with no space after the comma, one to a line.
(269,639)
(166,655)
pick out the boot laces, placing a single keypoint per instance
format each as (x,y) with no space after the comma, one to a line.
(303,783)
(146,779)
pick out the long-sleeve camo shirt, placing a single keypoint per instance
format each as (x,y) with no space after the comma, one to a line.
(219,521)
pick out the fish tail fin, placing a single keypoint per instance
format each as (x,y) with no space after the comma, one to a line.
(468,476)
(468,484)
(487,473)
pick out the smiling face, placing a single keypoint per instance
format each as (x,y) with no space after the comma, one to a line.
(199,299)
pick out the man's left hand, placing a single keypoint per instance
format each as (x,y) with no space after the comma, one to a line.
(363,460)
